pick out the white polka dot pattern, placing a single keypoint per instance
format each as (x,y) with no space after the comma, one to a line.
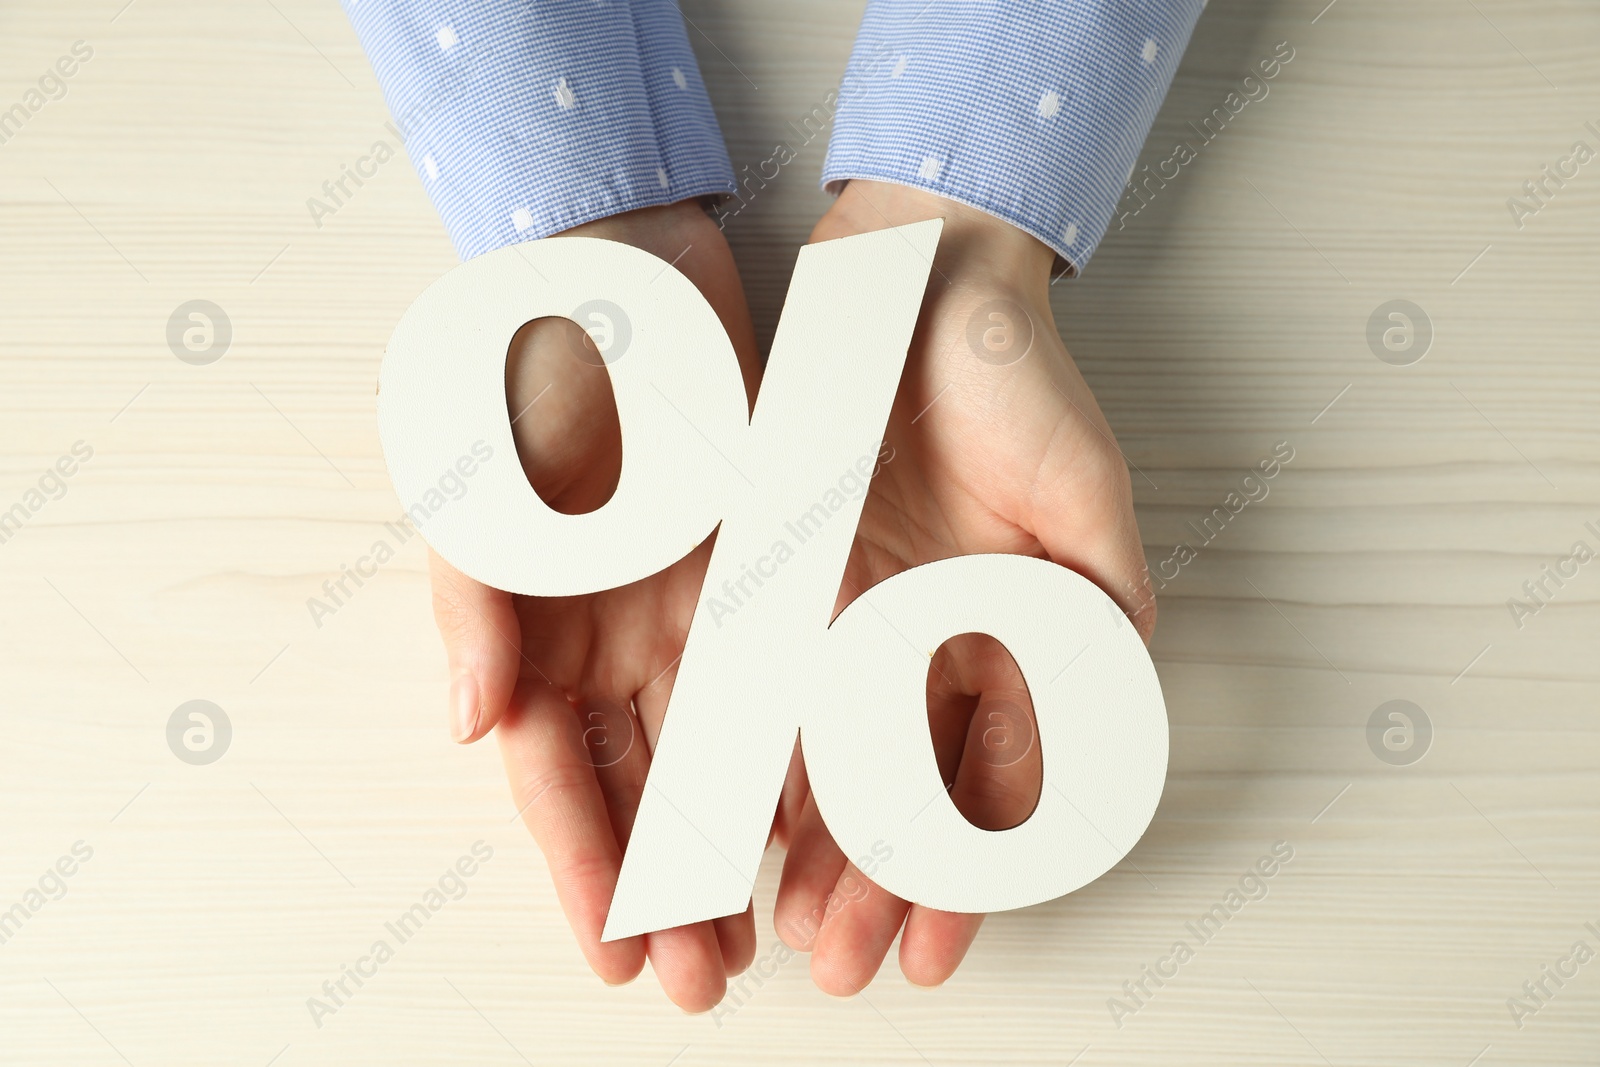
(1033,110)
(528,119)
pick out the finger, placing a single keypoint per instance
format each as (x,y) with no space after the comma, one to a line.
(1081,509)
(482,641)
(811,870)
(736,934)
(612,743)
(934,944)
(555,789)
(651,703)
(792,801)
(693,962)
(997,771)
(857,930)
(951,701)
(986,744)
(1002,768)
(688,964)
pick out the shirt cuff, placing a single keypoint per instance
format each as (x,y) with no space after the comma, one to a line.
(1032,111)
(525,120)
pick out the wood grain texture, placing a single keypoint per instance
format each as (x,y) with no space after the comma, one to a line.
(1225,317)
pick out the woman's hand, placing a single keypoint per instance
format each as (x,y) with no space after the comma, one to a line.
(997,446)
(577,686)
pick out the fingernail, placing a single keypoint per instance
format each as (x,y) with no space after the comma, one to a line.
(463,706)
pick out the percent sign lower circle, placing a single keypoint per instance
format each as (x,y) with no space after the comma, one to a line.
(764,659)
(1101,721)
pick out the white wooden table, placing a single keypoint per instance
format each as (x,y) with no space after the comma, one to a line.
(1228,315)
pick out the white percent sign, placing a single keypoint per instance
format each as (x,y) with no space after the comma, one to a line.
(852,687)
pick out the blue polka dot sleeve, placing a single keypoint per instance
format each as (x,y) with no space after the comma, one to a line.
(527,119)
(1032,111)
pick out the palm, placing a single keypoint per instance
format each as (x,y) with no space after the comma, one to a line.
(989,453)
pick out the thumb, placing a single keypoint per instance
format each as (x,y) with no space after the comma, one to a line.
(483,642)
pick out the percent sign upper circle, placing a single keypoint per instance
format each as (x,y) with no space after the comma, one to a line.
(442,387)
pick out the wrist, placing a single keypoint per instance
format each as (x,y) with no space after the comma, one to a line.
(974,242)
(663,230)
